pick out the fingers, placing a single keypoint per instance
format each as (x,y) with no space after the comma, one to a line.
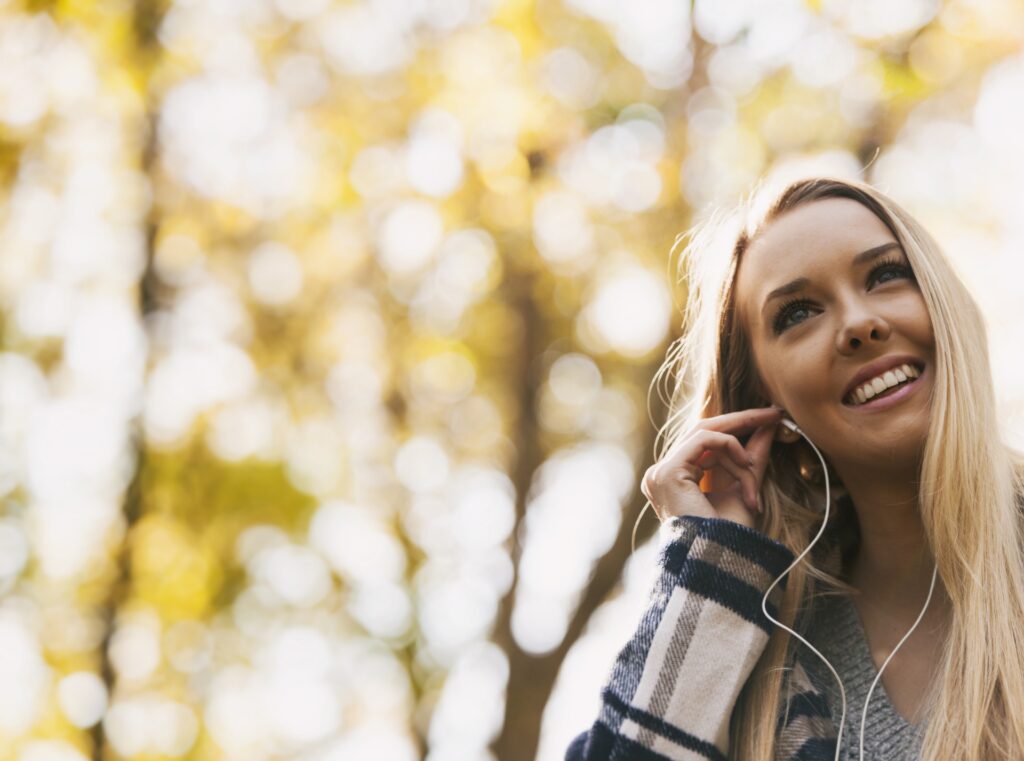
(741,421)
(704,447)
(700,451)
(759,448)
(741,473)
(710,470)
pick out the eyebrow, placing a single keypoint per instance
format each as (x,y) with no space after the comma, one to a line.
(801,282)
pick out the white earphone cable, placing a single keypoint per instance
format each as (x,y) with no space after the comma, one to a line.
(764,608)
(864,715)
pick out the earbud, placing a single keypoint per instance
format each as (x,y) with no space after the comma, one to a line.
(789,431)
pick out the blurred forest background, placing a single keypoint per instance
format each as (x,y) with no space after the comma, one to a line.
(327,335)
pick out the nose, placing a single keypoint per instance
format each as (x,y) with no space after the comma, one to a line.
(861,326)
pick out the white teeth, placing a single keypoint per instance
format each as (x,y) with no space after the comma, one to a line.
(888,379)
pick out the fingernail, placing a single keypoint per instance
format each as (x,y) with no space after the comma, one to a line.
(750,461)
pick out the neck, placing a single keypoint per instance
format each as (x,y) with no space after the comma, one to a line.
(893,565)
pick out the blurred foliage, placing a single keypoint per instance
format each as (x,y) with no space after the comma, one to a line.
(327,332)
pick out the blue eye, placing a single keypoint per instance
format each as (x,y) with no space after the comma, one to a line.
(797,305)
(791,313)
(901,269)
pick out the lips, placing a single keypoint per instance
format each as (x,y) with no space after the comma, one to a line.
(880,367)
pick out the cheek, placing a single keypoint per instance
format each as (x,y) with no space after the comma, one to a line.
(802,390)
(916,323)
(797,378)
(927,333)
(794,385)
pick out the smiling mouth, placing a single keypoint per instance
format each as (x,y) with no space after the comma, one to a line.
(851,398)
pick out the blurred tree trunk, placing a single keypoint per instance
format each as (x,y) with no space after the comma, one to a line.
(133,501)
(532,677)
(143,55)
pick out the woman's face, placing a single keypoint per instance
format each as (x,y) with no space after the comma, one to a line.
(834,315)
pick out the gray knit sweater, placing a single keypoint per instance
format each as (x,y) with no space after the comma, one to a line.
(838,633)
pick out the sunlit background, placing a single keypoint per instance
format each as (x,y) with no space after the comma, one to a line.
(326,332)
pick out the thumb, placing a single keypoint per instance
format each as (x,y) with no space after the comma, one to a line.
(759,448)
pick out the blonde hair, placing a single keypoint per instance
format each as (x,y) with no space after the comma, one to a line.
(970,482)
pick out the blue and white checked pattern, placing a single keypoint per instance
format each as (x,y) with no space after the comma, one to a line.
(674,685)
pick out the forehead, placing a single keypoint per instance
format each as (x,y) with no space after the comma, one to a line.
(807,242)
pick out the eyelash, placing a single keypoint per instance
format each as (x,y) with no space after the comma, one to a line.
(894,265)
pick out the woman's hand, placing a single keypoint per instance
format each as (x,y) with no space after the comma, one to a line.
(710,473)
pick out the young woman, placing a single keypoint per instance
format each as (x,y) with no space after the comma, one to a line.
(836,310)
